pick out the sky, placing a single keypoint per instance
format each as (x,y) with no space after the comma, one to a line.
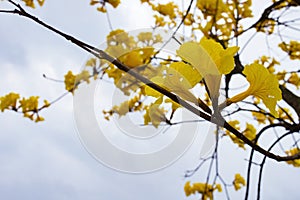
(48,160)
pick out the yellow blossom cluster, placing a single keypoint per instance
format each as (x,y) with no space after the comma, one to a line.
(72,81)
(206,190)
(154,114)
(168,9)
(238,182)
(133,104)
(284,113)
(30,3)
(223,17)
(292,49)
(268,62)
(167,13)
(266,26)
(294,79)
(102,3)
(28,106)
(134,52)
(291,152)
(285,3)
(261,117)
(249,132)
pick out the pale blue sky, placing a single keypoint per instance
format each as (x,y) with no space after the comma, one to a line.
(47,160)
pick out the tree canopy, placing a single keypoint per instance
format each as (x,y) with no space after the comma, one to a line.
(250,101)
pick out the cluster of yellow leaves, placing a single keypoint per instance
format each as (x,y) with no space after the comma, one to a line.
(285,3)
(294,151)
(268,62)
(238,182)
(167,13)
(263,84)
(210,60)
(249,132)
(135,52)
(155,114)
(266,26)
(292,49)
(285,114)
(223,17)
(133,104)
(30,3)
(29,106)
(168,9)
(289,77)
(294,79)
(102,3)
(261,117)
(72,81)
(206,59)
(206,190)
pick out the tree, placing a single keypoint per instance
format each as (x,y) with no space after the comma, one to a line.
(160,84)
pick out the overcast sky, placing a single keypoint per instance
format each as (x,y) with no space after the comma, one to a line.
(47,160)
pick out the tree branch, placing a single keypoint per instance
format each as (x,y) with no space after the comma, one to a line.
(290,98)
(216,119)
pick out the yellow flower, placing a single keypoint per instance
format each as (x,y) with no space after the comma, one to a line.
(114,3)
(94,2)
(188,189)
(159,21)
(219,187)
(29,3)
(83,76)
(266,26)
(238,182)
(235,124)
(39,119)
(145,36)
(295,163)
(211,7)
(91,62)
(293,49)
(262,84)
(250,132)
(9,100)
(70,81)
(167,9)
(102,9)
(154,114)
(41,2)
(295,80)
(203,188)
(210,60)
(284,113)
(30,104)
(46,104)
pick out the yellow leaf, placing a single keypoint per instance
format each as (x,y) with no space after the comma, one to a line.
(238,182)
(188,72)
(263,85)
(210,60)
